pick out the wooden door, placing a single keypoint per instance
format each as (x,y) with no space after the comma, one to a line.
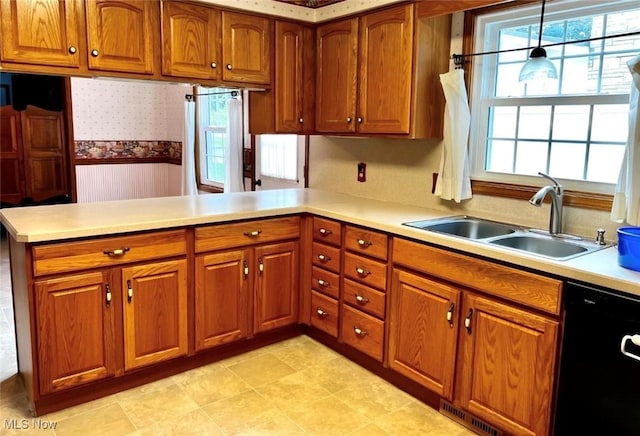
(336,80)
(121,35)
(276,287)
(43,32)
(423,331)
(508,365)
(11,164)
(386,59)
(75,321)
(45,156)
(223,301)
(246,48)
(155,312)
(288,78)
(191,41)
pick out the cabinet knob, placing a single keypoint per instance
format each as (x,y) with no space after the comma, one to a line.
(245,269)
(349,119)
(229,67)
(73,50)
(362,272)
(324,232)
(129,291)
(252,234)
(301,120)
(321,313)
(358,331)
(214,65)
(360,120)
(450,314)
(260,265)
(362,300)
(95,53)
(323,258)
(107,290)
(364,244)
(467,321)
(116,252)
(323,283)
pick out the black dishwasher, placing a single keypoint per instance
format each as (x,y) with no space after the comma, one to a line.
(599,384)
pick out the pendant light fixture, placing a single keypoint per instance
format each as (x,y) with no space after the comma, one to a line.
(538,67)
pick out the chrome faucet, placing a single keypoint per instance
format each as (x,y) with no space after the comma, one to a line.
(556,192)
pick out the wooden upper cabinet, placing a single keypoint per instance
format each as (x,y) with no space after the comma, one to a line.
(11,163)
(386,61)
(336,80)
(191,41)
(246,48)
(288,78)
(44,142)
(121,35)
(508,364)
(43,32)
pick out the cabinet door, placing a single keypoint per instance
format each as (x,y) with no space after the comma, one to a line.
(43,32)
(423,331)
(276,287)
(75,322)
(11,168)
(223,303)
(155,312)
(386,59)
(246,48)
(121,35)
(288,78)
(190,41)
(337,50)
(508,365)
(45,157)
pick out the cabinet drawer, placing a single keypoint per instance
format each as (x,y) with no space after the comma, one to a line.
(325,282)
(368,271)
(364,298)
(366,241)
(326,256)
(96,253)
(522,287)
(223,236)
(363,332)
(324,313)
(327,231)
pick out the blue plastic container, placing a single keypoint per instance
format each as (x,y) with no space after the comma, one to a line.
(629,247)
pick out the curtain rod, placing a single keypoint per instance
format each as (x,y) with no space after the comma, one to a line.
(458,59)
(190,97)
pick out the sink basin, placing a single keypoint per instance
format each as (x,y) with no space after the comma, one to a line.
(466,227)
(555,248)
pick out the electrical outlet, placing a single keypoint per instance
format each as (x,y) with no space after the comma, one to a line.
(362,172)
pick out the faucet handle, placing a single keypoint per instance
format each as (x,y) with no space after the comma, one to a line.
(600,237)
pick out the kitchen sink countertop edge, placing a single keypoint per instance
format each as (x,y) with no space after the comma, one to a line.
(57,222)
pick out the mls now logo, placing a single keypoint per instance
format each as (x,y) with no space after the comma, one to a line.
(26,424)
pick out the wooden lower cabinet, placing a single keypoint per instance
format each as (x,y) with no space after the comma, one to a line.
(222,298)
(506,365)
(155,312)
(423,331)
(75,319)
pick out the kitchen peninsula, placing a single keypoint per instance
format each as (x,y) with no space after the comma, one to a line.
(113,294)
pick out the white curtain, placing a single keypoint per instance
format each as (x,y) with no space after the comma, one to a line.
(626,201)
(453,177)
(189,186)
(233,181)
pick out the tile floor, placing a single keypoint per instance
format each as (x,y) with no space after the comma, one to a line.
(295,387)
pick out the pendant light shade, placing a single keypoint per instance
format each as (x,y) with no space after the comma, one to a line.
(538,67)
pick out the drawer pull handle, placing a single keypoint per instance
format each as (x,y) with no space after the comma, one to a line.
(116,252)
(358,331)
(364,244)
(323,258)
(129,291)
(467,321)
(252,234)
(362,300)
(362,272)
(450,314)
(107,294)
(245,269)
(323,283)
(321,313)
(635,340)
(325,232)
(260,265)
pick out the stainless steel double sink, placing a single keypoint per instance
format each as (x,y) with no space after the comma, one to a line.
(533,241)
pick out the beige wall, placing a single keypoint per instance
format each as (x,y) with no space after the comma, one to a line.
(401,171)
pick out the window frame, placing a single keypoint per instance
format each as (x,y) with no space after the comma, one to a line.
(583,194)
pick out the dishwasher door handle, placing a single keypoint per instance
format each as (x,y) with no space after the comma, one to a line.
(635,339)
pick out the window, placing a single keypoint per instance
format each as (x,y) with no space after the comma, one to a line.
(213,134)
(279,157)
(574,128)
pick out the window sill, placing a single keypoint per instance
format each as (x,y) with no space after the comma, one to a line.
(584,200)
(210,189)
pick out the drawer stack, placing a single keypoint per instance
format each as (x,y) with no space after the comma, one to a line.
(364,286)
(325,275)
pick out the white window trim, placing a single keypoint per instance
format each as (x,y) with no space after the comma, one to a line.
(479,108)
